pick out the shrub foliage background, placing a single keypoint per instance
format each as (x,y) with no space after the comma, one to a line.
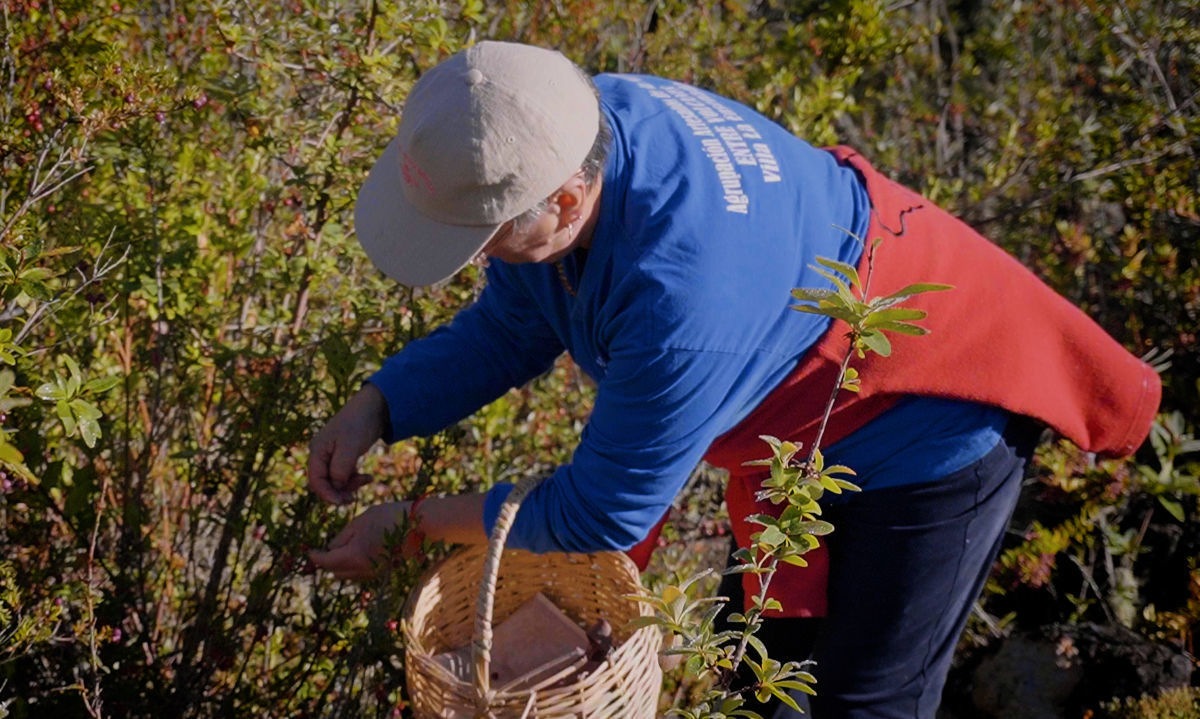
(182,302)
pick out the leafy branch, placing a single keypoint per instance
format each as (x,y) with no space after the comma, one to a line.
(786,538)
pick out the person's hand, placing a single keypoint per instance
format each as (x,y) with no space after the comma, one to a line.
(334,452)
(355,552)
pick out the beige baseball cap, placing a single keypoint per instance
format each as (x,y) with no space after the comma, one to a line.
(485,135)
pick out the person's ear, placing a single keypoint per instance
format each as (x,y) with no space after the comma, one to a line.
(569,200)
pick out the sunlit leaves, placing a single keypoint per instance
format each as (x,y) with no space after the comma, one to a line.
(1172,479)
(868,319)
(70,395)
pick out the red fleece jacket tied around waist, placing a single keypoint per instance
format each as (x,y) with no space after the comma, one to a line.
(1000,337)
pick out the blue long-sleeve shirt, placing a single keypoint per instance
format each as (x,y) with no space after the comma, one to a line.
(709,215)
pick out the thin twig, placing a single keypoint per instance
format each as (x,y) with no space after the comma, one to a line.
(1125,164)
(95,705)
(47,309)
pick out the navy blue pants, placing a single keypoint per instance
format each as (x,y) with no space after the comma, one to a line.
(906,565)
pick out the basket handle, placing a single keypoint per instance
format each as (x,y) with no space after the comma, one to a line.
(482,643)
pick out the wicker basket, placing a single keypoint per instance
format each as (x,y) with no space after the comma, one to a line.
(587,587)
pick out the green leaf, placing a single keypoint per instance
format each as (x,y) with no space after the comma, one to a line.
(918,288)
(1175,508)
(893,314)
(795,560)
(731,704)
(694,578)
(835,312)
(785,698)
(76,378)
(671,593)
(812,295)
(10,454)
(828,483)
(64,413)
(85,410)
(35,290)
(758,646)
(645,621)
(848,485)
(35,274)
(817,528)
(102,384)
(842,267)
(764,520)
(903,328)
(799,686)
(50,392)
(877,343)
(89,429)
(771,536)
(842,289)
(772,605)
(55,252)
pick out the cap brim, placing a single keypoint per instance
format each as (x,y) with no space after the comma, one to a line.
(403,243)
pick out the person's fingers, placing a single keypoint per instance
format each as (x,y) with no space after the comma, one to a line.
(343,538)
(345,562)
(318,470)
(345,492)
(356,482)
(343,465)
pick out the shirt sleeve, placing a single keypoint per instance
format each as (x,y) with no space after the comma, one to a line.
(656,413)
(499,342)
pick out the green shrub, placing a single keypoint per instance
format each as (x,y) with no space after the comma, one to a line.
(1181,703)
(182,300)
